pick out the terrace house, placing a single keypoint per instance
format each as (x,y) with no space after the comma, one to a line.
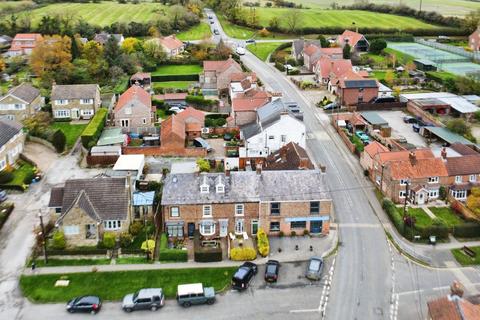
(75,101)
(21,102)
(464,174)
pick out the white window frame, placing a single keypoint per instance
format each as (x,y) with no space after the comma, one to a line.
(402,194)
(174,212)
(204,188)
(207,210)
(125,123)
(239,209)
(403,182)
(283,138)
(458,179)
(64,113)
(144,120)
(254,222)
(433,179)
(112,225)
(61,102)
(128,110)
(71,230)
(459,194)
(88,112)
(433,193)
(220,188)
(472,178)
(86,101)
(211,229)
(3,163)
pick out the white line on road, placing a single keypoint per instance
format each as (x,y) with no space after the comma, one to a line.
(303,310)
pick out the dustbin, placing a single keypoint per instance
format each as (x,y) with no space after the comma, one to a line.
(433,240)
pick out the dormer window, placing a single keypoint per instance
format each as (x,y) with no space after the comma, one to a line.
(204,187)
(219,186)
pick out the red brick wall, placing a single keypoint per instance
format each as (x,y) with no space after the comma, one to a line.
(166,151)
(349,97)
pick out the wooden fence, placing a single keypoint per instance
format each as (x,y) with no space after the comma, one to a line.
(102,160)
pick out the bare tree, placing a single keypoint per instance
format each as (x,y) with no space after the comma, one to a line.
(292,18)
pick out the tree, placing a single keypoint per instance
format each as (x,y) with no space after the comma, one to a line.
(148,246)
(389,77)
(50,59)
(75,50)
(2,65)
(131,45)
(58,241)
(111,52)
(274,23)
(292,18)
(323,41)
(93,53)
(108,240)
(458,126)
(377,46)
(154,50)
(203,165)
(473,201)
(450,85)
(80,73)
(471,21)
(59,140)
(347,51)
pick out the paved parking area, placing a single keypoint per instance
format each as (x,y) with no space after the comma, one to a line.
(400,128)
(218,146)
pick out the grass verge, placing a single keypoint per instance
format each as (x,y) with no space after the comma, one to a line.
(199,32)
(182,85)
(69,262)
(465,260)
(263,50)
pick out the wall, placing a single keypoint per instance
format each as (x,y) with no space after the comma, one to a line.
(165,151)
(424,115)
(380,106)
(244,117)
(11,150)
(139,112)
(101,160)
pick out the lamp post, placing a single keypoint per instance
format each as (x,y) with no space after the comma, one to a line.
(43,236)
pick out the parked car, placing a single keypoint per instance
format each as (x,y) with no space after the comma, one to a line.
(362,136)
(271,270)
(3,195)
(210,17)
(241,279)
(314,268)
(144,299)
(250,41)
(90,304)
(188,294)
(409,119)
(331,106)
(202,143)
(215,31)
(416,126)
(240,51)
(384,99)
(175,109)
(212,22)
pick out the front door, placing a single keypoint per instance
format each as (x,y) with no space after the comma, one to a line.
(191,229)
(239,226)
(223,228)
(315,226)
(421,198)
(74,113)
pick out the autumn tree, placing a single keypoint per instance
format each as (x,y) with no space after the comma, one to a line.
(51,59)
(389,77)
(2,65)
(154,50)
(93,53)
(131,45)
(292,19)
(473,201)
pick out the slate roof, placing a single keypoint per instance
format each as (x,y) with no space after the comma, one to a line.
(104,198)
(367,83)
(8,129)
(459,166)
(245,186)
(56,197)
(250,130)
(74,91)
(25,92)
(289,157)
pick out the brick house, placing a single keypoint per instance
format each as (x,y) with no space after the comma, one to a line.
(354,89)
(134,110)
(241,82)
(368,155)
(463,174)
(23,44)
(311,55)
(12,140)
(86,208)
(216,76)
(299,45)
(21,102)
(474,40)
(327,68)
(289,157)
(172,45)
(75,101)
(357,41)
(217,204)
(245,105)
(172,133)
(194,122)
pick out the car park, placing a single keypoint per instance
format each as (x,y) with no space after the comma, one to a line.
(90,304)
(271,270)
(144,299)
(3,195)
(195,293)
(314,268)
(240,51)
(242,277)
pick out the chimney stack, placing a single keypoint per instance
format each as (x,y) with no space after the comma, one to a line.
(444,153)
(259,169)
(227,173)
(456,289)
(323,168)
(413,157)
(283,153)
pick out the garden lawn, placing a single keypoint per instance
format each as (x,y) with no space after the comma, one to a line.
(465,260)
(100,14)
(115,285)
(421,217)
(132,260)
(263,50)
(442,75)
(177,69)
(69,262)
(20,173)
(198,32)
(161,114)
(172,84)
(71,131)
(402,58)
(239,32)
(447,215)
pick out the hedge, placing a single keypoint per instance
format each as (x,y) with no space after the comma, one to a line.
(94,129)
(263,244)
(175,77)
(200,101)
(73,252)
(467,230)
(279,66)
(205,254)
(243,254)
(171,255)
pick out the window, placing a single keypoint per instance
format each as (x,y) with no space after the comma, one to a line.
(19,106)
(403,182)
(62,113)
(459,194)
(402,194)
(274,226)
(3,164)
(314,207)
(88,112)
(298,225)
(207,228)
(433,193)
(175,230)
(71,230)
(239,226)
(207,211)
(458,179)
(174,212)
(86,101)
(472,178)
(271,137)
(275,208)
(254,227)
(220,188)
(58,210)
(112,224)
(433,180)
(239,208)
(61,102)
(283,138)
(125,123)
(128,110)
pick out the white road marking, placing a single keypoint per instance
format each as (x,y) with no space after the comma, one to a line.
(472,286)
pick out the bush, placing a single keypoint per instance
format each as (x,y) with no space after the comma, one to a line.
(108,240)
(377,46)
(125,239)
(280,66)
(263,244)
(200,101)
(467,230)
(203,165)
(171,255)
(293,233)
(94,129)
(135,228)
(29,176)
(59,140)
(306,232)
(281,234)
(294,72)
(243,254)
(6,176)
(58,241)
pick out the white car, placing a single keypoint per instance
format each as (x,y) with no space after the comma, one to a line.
(240,51)
(175,109)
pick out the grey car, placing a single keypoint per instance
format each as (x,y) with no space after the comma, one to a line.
(195,293)
(145,299)
(3,195)
(314,268)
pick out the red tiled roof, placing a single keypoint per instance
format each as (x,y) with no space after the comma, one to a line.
(289,157)
(337,67)
(446,309)
(171,96)
(458,166)
(363,73)
(172,126)
(134,93)
(352,37)
(250,100)
(193,126)
(37,37)
(219,66)
(375,147)
(191,113)
(349,75)
(419,168)
(240,76)
(171,42)
(404,155)
(311,49)
(331,51)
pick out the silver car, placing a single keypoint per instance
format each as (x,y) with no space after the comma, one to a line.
(144,299)
(314,268)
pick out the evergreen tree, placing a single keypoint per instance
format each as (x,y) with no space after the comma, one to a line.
(112,52)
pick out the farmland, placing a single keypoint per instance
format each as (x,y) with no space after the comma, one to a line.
(198,32)
(263,50)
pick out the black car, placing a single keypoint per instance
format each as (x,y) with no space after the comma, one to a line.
(250,41)
(409,119)
(91,304)
(271,270)
(244,275)
(384,99)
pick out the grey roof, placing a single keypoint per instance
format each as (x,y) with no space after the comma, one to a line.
(56,197)
(245,186)
(25,91)
(361,84)
(298,46)
(8,129)
(103,198)
(103,37)
(373,118)
(250,130)
(74,91)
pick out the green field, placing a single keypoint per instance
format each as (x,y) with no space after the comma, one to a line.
(198,32)
(445,7)
(71,131)
(263,50)
(110,286)
(172,84)
(177,69)
(239,32)
(101,14)
(13,4)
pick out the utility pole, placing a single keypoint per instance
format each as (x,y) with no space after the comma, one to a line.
(405,208)
(420,6)
(44,240)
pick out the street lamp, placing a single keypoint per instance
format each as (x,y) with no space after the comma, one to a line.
(43,236)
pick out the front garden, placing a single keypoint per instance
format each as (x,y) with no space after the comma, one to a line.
(18,176)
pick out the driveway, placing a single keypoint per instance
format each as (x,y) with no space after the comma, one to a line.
(218,146)
(41,155)
(400,128)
